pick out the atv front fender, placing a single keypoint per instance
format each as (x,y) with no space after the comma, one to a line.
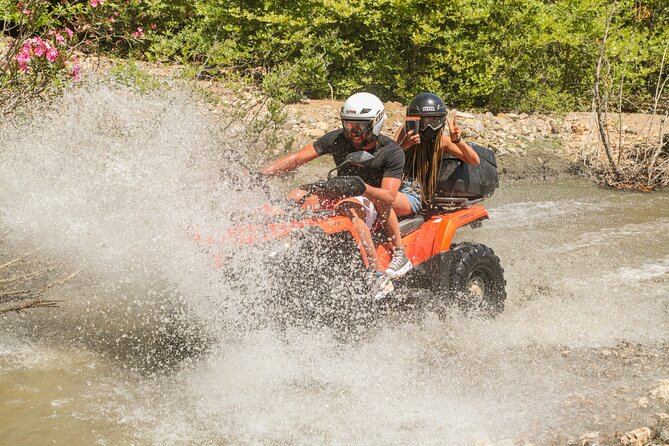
(452,222)
(436,234)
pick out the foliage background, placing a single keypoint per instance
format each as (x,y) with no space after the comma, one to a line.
(525,55)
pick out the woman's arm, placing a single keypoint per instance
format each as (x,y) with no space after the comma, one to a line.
(454,144)
(406,140)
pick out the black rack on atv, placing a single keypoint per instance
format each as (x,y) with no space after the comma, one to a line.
(460,185)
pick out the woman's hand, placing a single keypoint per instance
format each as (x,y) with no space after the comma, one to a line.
(410,139)
(454,130)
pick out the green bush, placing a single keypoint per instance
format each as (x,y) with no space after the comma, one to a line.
(495,54)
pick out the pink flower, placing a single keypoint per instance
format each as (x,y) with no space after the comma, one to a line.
(24,57)
(111,19)
(73,68)
(95,3)
(52,54)
(139,33)
(26,48)
(74,72)
(69,32)
(59,39)
(39,46)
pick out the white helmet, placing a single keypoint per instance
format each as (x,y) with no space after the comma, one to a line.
(366,110)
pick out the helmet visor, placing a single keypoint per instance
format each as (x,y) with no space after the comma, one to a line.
(435,122)
(356,128)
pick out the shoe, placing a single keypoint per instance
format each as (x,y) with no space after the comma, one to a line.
(383,286)
(399,265)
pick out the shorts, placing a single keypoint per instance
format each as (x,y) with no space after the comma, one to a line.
(412,190)
(371,213)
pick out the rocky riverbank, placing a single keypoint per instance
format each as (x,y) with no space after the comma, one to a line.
(536,146)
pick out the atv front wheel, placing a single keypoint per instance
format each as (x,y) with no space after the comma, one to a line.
(470,276)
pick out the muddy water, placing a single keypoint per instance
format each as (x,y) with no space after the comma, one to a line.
(583,338)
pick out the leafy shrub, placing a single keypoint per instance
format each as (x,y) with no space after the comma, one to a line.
(494,54)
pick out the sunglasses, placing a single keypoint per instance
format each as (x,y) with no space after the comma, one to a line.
(356,128)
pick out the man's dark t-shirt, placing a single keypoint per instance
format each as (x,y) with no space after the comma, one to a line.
(388,159)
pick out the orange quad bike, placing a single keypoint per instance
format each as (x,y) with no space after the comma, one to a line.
(320,270)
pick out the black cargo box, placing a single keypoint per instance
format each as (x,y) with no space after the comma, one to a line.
(458,179)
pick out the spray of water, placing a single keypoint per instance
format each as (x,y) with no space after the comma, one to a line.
(118,184)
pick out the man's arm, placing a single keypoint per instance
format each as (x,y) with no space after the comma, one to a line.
(386,193)
(292,161)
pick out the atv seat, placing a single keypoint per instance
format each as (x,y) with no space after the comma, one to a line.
(410,224)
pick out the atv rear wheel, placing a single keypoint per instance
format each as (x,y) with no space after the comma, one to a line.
(470,276)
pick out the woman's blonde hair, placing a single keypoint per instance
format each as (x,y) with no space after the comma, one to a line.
(425,161)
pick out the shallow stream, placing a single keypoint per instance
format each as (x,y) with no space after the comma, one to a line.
(115,184)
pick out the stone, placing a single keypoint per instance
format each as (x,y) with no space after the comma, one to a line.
(314,133)
(663,433)
(662,391)
(578,128)
(555,128)
(323,125)
(643,402)
(489,116)
(589,439)
(464,115)
(637,437)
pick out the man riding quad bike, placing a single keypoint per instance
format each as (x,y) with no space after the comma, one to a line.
(318,263)
(321,255)
(362,116)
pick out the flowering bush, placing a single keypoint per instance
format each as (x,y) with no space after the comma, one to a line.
(43,36)
(41,56)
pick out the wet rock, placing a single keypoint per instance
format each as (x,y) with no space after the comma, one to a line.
(589,439)
(637,437)
(662,391)
(662,433)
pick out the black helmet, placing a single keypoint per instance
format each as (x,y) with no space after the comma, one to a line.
(427,104)
(432,112)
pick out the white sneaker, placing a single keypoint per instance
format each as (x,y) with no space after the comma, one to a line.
(383,286)
(399,265)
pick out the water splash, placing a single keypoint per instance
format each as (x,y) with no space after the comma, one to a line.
(117,184)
